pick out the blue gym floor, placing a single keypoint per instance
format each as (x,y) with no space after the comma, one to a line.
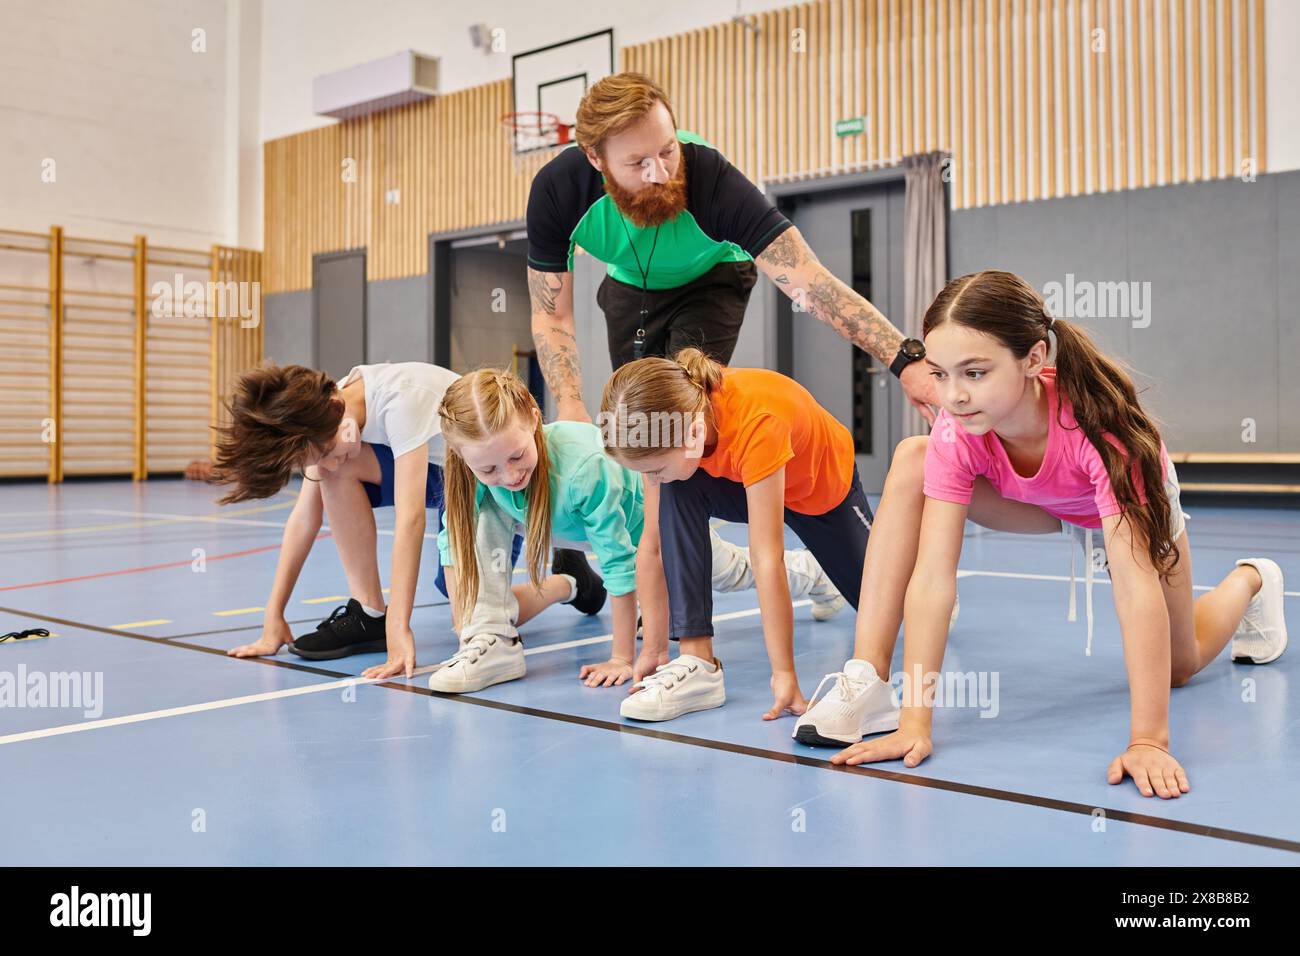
(202,759)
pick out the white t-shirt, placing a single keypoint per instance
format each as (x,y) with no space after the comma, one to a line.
(402,400)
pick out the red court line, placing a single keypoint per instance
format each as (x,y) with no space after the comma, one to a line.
(151,567)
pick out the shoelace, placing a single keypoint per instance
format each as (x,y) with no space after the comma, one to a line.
(847,687)
(475,648)
(1073,614)
(666,675)
(334,620)
(1252,620)
(22,635)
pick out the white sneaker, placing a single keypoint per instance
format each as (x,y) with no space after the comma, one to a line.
(807,577)
(679,687)
(483,660)
(1261,634)
(859,703)
(826,606)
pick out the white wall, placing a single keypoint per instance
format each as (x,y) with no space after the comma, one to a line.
(1282,70)
(149,136)
(304,38)
(131,115)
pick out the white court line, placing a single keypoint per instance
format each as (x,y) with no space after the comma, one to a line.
(606,638)
(181,519)
(178,711)
(339,684)
(1066,579)
(294,692)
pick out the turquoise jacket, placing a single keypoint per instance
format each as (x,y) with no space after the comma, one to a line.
(593,499)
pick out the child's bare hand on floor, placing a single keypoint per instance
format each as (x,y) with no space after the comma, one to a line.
(912,746)
(401,657)
(275,635)
(611,673)
(786,696)
(1154,770)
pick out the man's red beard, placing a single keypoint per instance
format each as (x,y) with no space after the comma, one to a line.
(654,203)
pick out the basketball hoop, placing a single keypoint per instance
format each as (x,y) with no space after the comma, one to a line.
(532,131)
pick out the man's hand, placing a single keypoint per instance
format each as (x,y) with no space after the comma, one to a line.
(918,385)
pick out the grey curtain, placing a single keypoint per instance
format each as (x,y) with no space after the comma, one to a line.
(925,262)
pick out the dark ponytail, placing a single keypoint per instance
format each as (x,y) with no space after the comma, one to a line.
(1098,389)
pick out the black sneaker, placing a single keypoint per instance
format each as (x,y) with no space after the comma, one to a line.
(591,587)
(348,630)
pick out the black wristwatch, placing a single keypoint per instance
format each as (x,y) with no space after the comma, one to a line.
(912,350)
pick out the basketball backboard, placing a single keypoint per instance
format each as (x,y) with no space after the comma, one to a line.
(553,79)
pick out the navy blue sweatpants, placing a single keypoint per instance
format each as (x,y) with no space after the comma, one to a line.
(837,539)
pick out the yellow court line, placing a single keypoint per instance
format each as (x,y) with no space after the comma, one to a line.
(161,620)
(325,600)
(238,610)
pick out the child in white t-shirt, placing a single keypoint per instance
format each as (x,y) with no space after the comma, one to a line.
(373,440)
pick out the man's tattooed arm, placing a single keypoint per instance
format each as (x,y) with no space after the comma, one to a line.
(544,289)
(797,272)
(853,317)
(785,255)
(551,297)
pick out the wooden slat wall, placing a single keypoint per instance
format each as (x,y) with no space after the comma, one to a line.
(98,421)
(27,271)
(86,362)
(1028,97)
(177,367)
(238,341)
(447,158)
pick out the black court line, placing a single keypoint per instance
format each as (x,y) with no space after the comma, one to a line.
(639,730)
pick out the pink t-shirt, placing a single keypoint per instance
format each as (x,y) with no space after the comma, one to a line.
(1071,483)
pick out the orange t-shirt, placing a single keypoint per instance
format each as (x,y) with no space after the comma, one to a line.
(766,420)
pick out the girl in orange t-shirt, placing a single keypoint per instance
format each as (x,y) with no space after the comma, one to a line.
(746,445)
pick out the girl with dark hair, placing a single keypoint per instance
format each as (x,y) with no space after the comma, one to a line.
(1022,445)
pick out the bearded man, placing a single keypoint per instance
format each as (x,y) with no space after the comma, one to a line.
(683,234)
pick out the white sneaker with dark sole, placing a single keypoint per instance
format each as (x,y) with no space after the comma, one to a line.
(681,686)
(859,703)
(483,660)
(1261,634)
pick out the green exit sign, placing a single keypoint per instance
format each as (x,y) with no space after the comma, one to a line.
(853,126)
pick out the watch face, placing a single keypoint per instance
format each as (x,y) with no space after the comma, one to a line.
(913,348)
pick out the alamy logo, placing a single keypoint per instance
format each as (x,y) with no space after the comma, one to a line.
(198,300)
(103,909)
(1099,300)
(57,689)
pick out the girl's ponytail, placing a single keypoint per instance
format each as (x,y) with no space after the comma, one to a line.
(651,390)
(1098,388)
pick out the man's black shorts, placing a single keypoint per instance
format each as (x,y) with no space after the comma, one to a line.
(706,313)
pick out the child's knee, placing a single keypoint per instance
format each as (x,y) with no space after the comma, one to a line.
(908,463)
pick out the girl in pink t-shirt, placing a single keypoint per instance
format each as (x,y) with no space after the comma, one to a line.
(1026,447)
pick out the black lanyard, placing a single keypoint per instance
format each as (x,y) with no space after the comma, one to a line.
(638,345)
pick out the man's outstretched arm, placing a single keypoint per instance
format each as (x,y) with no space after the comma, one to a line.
(551,298)
(794,267)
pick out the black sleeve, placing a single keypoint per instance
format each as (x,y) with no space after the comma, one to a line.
(559,197)
(728,207)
